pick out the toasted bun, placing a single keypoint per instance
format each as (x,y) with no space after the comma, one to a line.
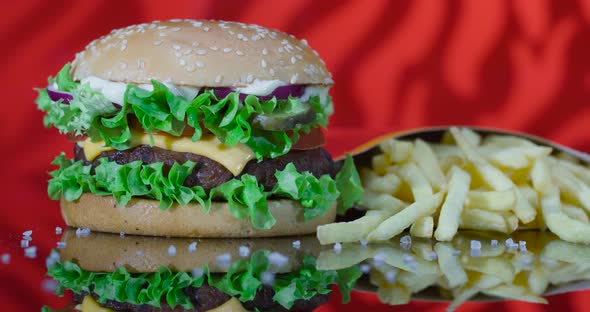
(200,53)
(144,217)
(101,252)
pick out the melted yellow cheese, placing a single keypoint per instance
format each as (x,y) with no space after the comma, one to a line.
(234,158)
(232,305)
(89,305)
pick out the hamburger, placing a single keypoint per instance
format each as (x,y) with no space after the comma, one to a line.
(196,128)
(139,273)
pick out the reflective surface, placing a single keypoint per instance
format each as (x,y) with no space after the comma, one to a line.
(528,265)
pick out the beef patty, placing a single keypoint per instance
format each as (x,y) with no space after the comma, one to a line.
(208,173)
(205,298)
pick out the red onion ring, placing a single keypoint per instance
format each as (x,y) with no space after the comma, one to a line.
(56,95)
(281,93)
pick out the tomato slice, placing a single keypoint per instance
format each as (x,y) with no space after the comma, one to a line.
(314,139)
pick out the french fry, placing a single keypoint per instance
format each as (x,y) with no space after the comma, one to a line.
(541,176)
(471,136)
(450,213)
(403,219)
(397,151)
(449,265)
(382,202)
(494,177)
(386,184)
(582,172)
(566,228)
(538,281)
(507,141)
(572,187)
(394,294)
(416,281)
(510,157)
(491,200)
(515,293)
(350,255)
(484,220)
(500,267)
(353,231)
(575,212)
(427,161)
(423,227)
(416,180)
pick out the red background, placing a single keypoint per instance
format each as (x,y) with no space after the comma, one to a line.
(520,65)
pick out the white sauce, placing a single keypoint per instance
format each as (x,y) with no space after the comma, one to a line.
(115,91)
(261,87)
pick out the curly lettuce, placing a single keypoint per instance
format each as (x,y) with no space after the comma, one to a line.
(242,280)
(162,110)
(247,199)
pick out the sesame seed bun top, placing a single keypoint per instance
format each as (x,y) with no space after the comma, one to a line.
(200,53)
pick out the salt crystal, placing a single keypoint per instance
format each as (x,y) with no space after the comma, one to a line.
(5,258)
(49,285)
(277,259)
(223,260)
(122,234)
(390,276)
(456,252)
(365,268)
(192,247)
(296,244)
(379,259)
(31,252)
(82,232)
(364,243)
(509,242)
(197,272)
(139,253)
(475,244)
(494,243)
(24,243)
(267,278)
(433,255)
(172,251)
(28,233)
(61,245)
(244,251)
(406,239)
(522,247)
(337,248)
(58,230)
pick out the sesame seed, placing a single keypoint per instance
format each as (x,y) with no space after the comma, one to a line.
(186,52)
(182,62)
(201,52)
(264,51)
(177,53)
(163,35)
(197,24)
(158,42)
(206,28)
(238,52)
(293,60)
(263,63)
(298,48)
(304,42)
(200,64)
(271,71)
(175,47)
(176,29)
(218,79)
(285,41)
(123,47)
(162,27)
(281,50)
(214,48)
(294,78)
(249,78)
(195,44)
(299,56)
(226,50)
(190,68)
(140,64)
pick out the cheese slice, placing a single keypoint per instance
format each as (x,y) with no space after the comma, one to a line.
(89,305)
(234,158)
(232,305)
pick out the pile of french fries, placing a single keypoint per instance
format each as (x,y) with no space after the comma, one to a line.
(494,183)
(431,270)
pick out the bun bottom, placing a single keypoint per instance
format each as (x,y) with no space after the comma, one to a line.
(144,217)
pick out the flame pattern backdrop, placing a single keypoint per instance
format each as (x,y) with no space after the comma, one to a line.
(520,65)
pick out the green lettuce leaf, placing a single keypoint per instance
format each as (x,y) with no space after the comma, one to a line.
(348,182)
(242,280)
(161,110)
(246,197)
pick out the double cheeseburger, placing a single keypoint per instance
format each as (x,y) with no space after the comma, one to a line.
(105,273)
(197,129)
